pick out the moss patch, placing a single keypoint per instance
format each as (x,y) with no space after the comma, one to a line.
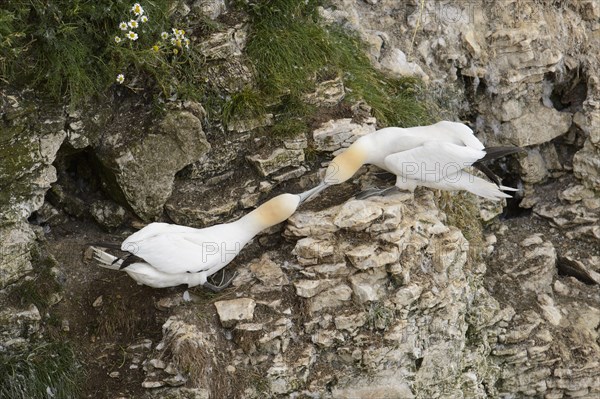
(462,211)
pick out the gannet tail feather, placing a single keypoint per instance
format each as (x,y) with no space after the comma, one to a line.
(493,153)
(105,259)
(505,188)
(106,245)
(483,188)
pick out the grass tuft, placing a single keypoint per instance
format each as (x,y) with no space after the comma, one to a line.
(395,101)
(245,104)
(291,50)
(379,317)
(46,371)
(287,45)
(66,48)
(292,115)
(462,210)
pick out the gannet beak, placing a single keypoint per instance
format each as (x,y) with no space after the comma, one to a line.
(309,195)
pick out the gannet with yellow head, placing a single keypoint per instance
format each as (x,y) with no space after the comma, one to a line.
(166,255)
(432,156)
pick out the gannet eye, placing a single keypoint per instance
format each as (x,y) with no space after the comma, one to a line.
(132,248)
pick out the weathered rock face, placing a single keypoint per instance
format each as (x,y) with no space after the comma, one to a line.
(145,169)
(528,130)
(17,326)
(210,8)
(376,298)
(276,160)
(30,137)
(337,134)
(372,306)
(553,315)
(527,72)
(16,243)
(403,307)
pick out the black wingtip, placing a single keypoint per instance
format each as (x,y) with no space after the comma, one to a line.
(129,260)
(499,152)
(487,171)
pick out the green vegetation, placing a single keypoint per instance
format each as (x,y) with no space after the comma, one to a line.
(47,371)
(379,317)
(292,51)
(75,49)
(244,104)
(462,211)
(68,48)
(47,367)
(287,45)
(395,101)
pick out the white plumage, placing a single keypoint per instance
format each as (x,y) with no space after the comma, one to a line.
(168,255)
(432,156)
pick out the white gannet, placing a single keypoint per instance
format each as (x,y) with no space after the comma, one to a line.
(166,255)
(432,156)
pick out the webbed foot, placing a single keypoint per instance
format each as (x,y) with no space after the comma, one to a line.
(222,284)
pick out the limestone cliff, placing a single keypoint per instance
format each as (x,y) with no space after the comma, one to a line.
(407,296)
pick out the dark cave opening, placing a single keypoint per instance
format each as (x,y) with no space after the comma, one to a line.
(79,184)
(566,91)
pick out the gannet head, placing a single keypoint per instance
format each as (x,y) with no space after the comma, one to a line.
(345,165)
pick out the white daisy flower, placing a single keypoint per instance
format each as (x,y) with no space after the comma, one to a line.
(117,39)
(132,36)
(133,24)
(137,9)
(187,42)
(179,33)
(173,41)
(120,78)
(144,19)
(164,35)
(123,26)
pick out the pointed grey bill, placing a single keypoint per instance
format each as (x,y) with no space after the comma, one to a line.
(309,195)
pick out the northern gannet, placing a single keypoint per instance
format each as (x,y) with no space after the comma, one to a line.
(432,156)
(166,255)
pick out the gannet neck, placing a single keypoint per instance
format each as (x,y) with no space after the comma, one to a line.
(346,164)
(272,212)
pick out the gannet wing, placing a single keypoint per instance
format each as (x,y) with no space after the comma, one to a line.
(174,253)
(153,230)
(461,132)
(432,161)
